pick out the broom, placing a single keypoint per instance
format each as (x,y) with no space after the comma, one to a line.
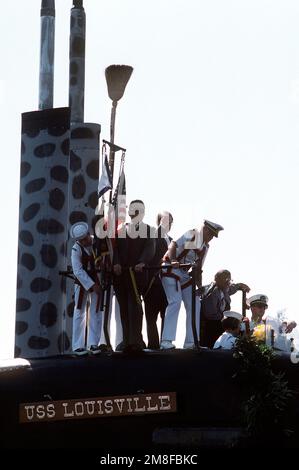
(117,77)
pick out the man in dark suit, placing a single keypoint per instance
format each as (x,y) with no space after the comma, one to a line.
(155,300)
(134,248)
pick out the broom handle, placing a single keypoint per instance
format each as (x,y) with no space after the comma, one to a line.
(112,131)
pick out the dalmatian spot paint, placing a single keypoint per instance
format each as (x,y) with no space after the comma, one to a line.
(44,306)
(26,237)
(78,187)
(92,169)
(49,226)
(77,216)
(23,305)
(25,168)
(35,185)
(75,162)
(38,342)
(59,173)
(28,261)
(45,150)
(31,211)
(48,314)
(21,327)
(49,255)
(40,284)
(56,199)
(65,147)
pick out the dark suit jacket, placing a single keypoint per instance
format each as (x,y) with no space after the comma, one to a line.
(131,251)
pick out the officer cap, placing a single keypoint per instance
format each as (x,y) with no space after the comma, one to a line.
(79,230)
(258,299)
(214,228)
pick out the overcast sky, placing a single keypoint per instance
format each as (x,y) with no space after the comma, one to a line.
(210,119)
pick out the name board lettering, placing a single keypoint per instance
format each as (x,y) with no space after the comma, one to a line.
(84,408)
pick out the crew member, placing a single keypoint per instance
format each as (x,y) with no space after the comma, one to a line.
(134,248)
(192,247)
(155,300)
(86,288)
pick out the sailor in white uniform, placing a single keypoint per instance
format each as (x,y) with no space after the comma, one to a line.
(86,288)
(258,305)
(190,248)
(231,324)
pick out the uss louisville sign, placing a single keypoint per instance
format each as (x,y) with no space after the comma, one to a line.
(98,407)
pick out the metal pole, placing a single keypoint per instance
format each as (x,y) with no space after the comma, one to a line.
(194,330)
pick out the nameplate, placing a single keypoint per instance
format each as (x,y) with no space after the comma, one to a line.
(98,407)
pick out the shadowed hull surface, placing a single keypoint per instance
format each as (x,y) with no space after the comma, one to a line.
(207,396)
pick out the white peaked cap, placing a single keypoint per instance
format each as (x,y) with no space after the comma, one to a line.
(258,299)
(232,314)
(79,230)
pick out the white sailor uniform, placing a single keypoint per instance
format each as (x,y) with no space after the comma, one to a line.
(177,284)
(79,317)
(225,341)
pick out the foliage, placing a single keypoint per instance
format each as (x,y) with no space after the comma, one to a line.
(267,394)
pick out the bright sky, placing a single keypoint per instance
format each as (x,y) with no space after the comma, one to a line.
(210,119)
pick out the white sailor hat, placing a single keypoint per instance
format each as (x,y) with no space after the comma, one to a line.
(214,228)
(232,314)
(258,299)
(79,230)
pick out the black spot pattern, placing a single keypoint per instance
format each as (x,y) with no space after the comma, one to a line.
(65,147)
(40,284)
(22,305)
(17,351)
(35,185)
(70,309)
(56,131)
(28,261)
(78,187)
(26,237)
(75,162)
(21,327)
(37,342)
(93,200)
(49,255)
(82,133)
(59,173)
(50,226)
(77,216)
(20,202)
(48,314)
(31,211)
(25,168)
(44,150)
(56,199)
(73,81)
(63,342)
(92,169)
(23,147)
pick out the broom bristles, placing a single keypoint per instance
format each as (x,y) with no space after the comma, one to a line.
(117,77)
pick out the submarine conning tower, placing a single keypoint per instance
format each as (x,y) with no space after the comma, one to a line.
(58,187)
